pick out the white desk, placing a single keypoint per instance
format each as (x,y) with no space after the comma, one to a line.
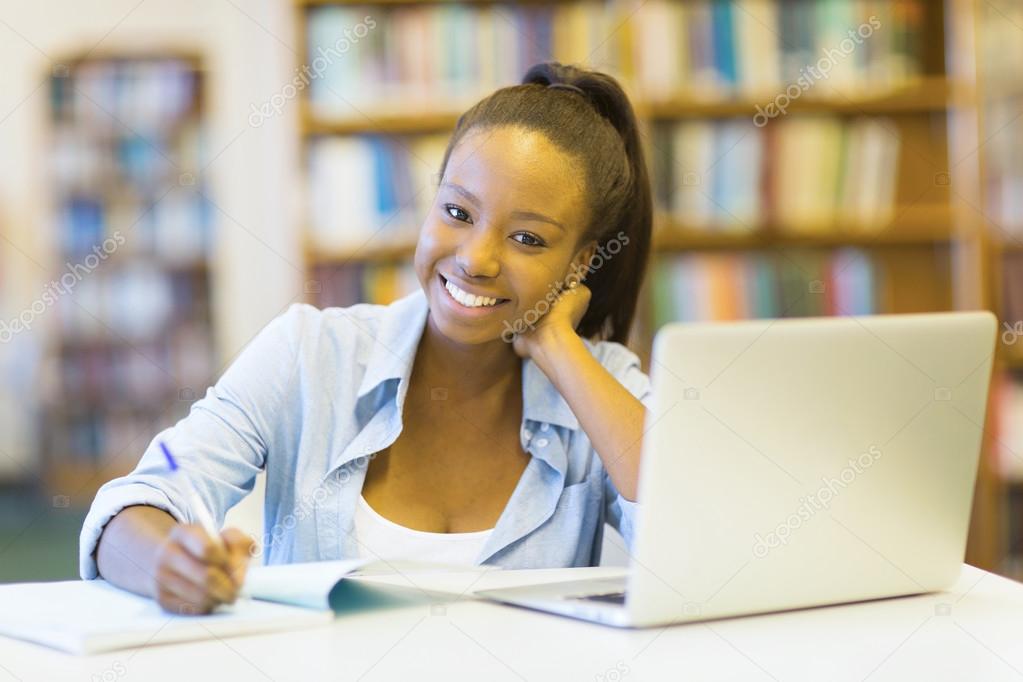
(972,632)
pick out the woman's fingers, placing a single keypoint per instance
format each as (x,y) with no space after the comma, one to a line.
(194,539)
(239,551)
(211,580)
(178,595)
(193,572)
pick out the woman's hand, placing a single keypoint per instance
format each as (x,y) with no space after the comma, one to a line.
(194,574)
(563,317)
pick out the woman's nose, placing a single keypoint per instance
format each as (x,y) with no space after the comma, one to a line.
(478,254)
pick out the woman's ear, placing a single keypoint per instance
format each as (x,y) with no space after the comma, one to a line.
(581,262)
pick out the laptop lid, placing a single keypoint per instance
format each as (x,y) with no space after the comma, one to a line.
(800,462)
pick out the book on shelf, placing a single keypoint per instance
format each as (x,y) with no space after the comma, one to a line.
(1007,405)
(128,301)
(125,96)
(348,284)
(1012,561)
(1012,291)
(1004,160)
(168,222)
(730,286)
(1000,52)
(101,397)
(389,57)
(722,48)
(366,191)
(804,173)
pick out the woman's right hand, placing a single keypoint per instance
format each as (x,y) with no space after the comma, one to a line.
(194,574)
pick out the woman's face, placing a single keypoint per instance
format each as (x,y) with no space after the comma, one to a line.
(504,226)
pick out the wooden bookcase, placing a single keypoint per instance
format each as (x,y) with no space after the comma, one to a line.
(126,138)
(998,85)
(935,251)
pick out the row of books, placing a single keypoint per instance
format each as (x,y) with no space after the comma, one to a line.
(731,286)
(753,47)
(1012,562)
(141,376)
(129,302)
(342,286)
(125,95)
(366,190)
(387,56)
(88,160)
(433,53)
(1011,313)
(1000,57)
(803,172)
(686,287)
(1007,405)
(1012,292)
(173,229)
(108,439)
(1004,157)
(1000,51)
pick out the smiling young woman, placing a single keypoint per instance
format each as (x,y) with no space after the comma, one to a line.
(494,416)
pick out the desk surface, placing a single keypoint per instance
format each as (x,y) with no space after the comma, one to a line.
(971,632)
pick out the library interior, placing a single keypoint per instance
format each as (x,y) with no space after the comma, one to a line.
(174,175)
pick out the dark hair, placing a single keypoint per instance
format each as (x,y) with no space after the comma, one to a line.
(597,126)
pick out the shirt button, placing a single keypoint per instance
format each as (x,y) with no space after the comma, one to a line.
(545,427)
(542,443)
(527,434)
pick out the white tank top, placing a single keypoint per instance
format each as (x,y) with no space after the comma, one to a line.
(382,538)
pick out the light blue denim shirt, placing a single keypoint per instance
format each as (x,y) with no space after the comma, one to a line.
(317,392)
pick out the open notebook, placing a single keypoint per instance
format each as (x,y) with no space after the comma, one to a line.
(84,617)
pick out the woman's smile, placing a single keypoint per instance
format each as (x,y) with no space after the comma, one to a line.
(465,302)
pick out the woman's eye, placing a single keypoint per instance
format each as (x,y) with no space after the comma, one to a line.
(527,239)
(451,208)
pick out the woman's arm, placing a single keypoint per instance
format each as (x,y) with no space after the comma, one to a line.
(145,551)
(140,532)
(609,414)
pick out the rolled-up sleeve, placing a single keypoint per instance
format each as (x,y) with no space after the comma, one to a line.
(221,445)
(625,366)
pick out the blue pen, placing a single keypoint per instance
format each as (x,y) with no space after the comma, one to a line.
(198,508)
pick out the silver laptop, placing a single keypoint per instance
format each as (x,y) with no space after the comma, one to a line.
(796,463)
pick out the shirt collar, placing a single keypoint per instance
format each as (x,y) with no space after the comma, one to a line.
(395,341)
(394,351)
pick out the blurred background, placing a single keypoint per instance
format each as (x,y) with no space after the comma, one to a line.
(175,174)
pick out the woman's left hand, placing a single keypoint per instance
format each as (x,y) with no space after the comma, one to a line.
(563,317)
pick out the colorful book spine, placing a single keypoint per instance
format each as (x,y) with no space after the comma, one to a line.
(696,287)
(379,283)
(367,191)
(385,57)
(760,47)
(804,174)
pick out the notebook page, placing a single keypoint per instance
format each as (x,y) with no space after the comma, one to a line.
(89,616)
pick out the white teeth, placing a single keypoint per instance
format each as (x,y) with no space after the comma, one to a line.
(467,299)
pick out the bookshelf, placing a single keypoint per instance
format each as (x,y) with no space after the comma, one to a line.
(132,346)
(999,198)
(897,110)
